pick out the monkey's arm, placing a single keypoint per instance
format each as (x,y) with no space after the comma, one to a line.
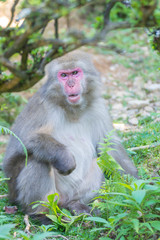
(44,148)
(118,152)
(120,155)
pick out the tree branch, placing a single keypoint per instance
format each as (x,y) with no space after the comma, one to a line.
(12,67)
(18,44)
(44,42)
(144,147)
(108,9)
(3,196)
(36,19)
(56,28)
(13,11)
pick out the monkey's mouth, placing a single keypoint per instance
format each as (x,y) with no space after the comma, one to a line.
(73,98)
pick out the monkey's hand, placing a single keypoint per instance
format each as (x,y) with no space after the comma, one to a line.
(64,162)
(44,148)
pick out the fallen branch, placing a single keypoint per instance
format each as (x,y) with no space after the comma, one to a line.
(144,147)
(26,221)
(3,196)
(59,236)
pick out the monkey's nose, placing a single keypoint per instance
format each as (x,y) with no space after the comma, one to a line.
(71,83)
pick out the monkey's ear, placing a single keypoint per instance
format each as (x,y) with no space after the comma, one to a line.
(47,67)
(52,68)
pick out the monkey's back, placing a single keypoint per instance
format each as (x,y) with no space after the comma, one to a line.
(31,118)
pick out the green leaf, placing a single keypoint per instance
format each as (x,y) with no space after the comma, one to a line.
(98,219)
(147,225)
(127,196)
(66,212)
(24,235)
(139,195)
(5,130)
(126,186)
(118,217)
(139,184)
(156,225)
(97,229)
(117,203)
(136,224)
(53,218)
(41,236)
(4,231)
(132,203)
(150,202)
(150,215)
(53,198)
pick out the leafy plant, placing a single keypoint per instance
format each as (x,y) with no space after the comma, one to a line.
(10,106)
(61,218)
(137,215)
(5,231)
(106,162)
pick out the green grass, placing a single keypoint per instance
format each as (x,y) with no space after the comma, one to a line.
(146,159)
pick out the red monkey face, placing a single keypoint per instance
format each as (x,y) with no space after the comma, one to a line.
(71,81)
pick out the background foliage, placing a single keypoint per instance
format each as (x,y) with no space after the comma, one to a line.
(33,50)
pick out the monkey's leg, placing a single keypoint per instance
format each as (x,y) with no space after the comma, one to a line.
(120,155)
(76,208)
(34,183)
(87,190)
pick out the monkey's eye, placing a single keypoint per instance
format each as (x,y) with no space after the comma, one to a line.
(63,75)
(74,72)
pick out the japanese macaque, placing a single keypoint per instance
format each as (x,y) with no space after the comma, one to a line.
(61,127)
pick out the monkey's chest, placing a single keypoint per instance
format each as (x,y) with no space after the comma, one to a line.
(80,146)
(69,187)
(79,142)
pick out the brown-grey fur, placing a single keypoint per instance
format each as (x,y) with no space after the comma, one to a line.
(62,141)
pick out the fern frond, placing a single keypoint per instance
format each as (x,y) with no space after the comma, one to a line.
(4,130)
(106,162)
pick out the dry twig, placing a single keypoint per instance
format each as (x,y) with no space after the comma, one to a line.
(26,220)
(144,147)
(60,236)
(3,196)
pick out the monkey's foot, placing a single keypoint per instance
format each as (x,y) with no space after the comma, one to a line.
(41,218)
(77,208)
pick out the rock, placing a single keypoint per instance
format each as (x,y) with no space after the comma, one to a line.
(124,116)
(157,104)
(114,67)
(157,120)
(148,109)
(117,106)
(120,126)
(152,87)
(133,121)
(132,112)
(138,103)
(144,113)
(138,81)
